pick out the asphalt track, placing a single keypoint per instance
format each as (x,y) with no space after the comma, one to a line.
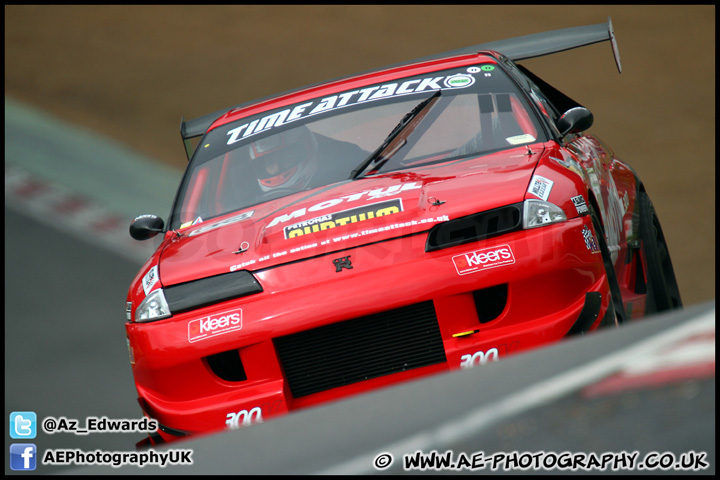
(65,356)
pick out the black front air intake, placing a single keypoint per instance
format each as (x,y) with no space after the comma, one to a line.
(227,365)
(490,302)
(360,349)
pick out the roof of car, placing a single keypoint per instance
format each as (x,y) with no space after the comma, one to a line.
(518,48)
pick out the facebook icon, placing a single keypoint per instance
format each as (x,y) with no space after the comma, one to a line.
(23,456)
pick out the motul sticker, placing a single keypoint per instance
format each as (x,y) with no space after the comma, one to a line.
(373,194)
(214,325)
(484,259)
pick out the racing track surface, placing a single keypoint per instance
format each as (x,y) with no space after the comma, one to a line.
(70,197)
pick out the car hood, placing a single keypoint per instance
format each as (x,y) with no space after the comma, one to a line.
(346,215)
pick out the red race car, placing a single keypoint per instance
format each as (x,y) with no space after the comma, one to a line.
(424,217)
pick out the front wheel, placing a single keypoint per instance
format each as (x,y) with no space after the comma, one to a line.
(662,288)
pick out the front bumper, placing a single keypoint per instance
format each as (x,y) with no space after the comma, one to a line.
(319,333)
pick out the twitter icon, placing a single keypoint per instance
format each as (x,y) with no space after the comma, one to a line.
(23,425)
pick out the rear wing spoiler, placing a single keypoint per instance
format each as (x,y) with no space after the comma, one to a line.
(518,48)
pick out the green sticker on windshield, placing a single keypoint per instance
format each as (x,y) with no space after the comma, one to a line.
(487,68)
(459,81)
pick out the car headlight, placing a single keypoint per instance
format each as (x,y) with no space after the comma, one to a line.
(537,213)
(154,307)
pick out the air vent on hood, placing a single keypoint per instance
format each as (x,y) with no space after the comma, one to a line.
(475,227)
(206,291)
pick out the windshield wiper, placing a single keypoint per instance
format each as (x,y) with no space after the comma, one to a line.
(400,127)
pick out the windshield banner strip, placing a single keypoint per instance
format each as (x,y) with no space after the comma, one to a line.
(346,99)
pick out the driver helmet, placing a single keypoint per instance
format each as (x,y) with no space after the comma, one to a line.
(284,160)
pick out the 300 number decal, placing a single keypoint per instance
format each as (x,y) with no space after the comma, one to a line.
(479,358)
(244,418)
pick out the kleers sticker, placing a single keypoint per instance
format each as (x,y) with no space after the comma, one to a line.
(540,187)
(590,241)
(484,259)
(345,217)
(580,204)
(213,325)
(150,279)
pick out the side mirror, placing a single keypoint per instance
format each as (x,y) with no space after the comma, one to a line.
(575,120)
(146,226)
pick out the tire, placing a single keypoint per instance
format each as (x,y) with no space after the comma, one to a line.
(663,292)
(616,301)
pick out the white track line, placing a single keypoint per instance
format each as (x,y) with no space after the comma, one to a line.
(59,207)
(466,426)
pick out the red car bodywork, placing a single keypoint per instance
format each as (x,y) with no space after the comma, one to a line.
(366,303)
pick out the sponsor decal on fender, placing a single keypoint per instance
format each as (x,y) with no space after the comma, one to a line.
(150,279)
(484,259)
(580,205)
(590,242)
(540,187)
(345,217)
(212,325)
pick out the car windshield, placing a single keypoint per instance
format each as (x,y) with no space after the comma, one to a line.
(321,141)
